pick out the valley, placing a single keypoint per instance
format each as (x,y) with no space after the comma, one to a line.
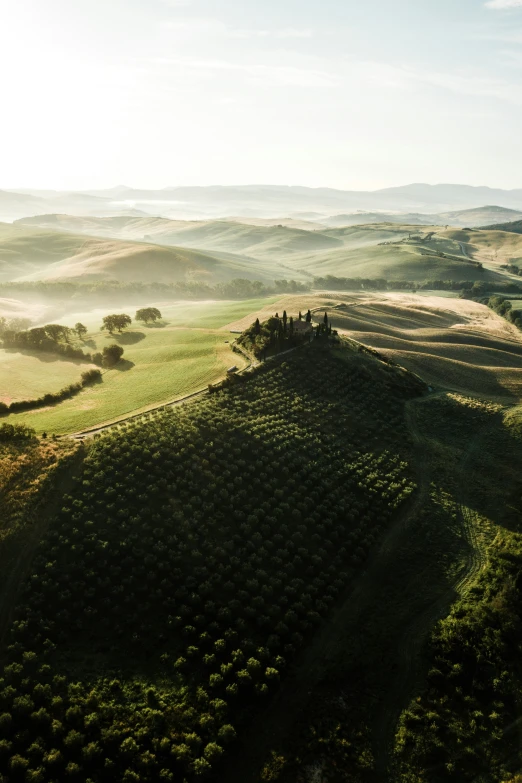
(273,582)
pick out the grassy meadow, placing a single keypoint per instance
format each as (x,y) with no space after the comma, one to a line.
(26,376)
(184,353)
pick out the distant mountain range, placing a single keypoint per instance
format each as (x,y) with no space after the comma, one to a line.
(421,202)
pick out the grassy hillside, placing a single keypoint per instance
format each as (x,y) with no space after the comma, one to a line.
(383,250)
(479,216)
(368,254)
(461,218)
(224,539)
(25,376)
(379,703)
(489,246)
(36,254)
(514,226)
(463,723)
(256,240)
(33,477)
(453,344)
(276,557)
(27,250)
(212,251)
(183,354)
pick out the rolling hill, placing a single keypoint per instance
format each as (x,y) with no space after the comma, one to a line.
(475,218)
(252,239)
(14,205)
(40,254)
(452,343)
(515,227)
(472,218)
(230,249)
(491,247)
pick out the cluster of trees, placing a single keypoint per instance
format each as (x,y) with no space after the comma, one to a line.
(15,432)
(120,321)
(55,338)
(13,324)
(110,355)
(200,550)
(87,379)
(274,335)
(117,321)
(504,307)
(279,334)
(467,722)
(513,268)
(51,338)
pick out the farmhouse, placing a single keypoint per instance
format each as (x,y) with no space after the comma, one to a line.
(302,327)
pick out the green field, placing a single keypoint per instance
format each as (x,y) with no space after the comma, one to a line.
(26,376)
(442,294)
(160,363)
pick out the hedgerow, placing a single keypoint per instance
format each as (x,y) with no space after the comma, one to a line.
(87,379)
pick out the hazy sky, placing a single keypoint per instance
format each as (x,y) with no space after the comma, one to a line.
(340,93)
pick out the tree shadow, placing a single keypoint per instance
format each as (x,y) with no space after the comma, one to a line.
(157,325)
(47,357)
(128,338)
(90,343)
(123,365)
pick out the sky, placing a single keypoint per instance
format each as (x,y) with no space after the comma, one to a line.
(329,93)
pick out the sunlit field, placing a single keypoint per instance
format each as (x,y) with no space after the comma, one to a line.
(27,376)
(182,354)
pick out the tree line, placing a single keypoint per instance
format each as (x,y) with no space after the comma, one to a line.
(54,338)
(503,307)
(239,288)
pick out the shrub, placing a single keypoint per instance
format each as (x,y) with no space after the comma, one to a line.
(112,355)
(10,432)
(90,376)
